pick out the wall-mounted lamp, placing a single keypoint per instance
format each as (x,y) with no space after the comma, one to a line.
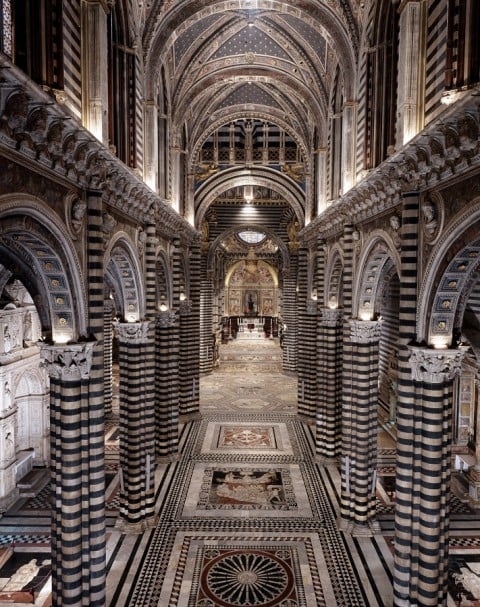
(163,304)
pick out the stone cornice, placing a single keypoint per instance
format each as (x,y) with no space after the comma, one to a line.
(70,362)
(448,148)
(41,135)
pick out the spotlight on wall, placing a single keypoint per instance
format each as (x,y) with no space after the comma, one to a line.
(163,304)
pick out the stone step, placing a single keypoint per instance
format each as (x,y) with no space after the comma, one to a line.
(33,482)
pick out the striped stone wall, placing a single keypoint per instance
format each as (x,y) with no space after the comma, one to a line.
(72,56)
(437,28)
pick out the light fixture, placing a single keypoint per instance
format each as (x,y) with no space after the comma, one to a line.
(163,304)
(248,193)
(183,297)
(440,342)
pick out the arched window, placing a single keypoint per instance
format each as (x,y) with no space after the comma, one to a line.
(463,44)
(32,37)
(382,72)
(122,78)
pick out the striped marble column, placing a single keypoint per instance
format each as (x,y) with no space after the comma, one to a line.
(307,341)
(359,428)
(93,443)
(329,384)
(167,385)
(421,554)
(189,355)
(404,495)
(73,539)
(206,325)
(137,419)
(289,318)
(107,354)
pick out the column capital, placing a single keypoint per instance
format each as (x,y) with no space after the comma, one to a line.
(331,317)
(185,307)
(166,319)
(69,362)
(132,332)
(435,366)
(365,331)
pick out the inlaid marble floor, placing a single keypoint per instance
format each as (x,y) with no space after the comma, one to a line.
(246,516)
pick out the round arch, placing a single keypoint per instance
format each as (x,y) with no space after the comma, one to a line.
(378,254)
(34,239)
(333,282)
(455,260)
(256,176)
(124,273)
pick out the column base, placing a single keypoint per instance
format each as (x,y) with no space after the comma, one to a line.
(324,460)
(167,459)
(136,528)
(190,417)
(357,530)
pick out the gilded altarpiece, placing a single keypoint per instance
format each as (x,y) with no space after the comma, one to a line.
(251,290)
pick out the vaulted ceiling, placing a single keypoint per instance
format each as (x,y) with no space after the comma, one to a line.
(274,63)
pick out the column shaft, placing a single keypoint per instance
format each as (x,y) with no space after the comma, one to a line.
(137,425)
(329,382)
(359,427)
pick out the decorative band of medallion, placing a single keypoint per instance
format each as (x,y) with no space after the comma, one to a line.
(331,317)
(435,366)
(71,362)
(365,331)
(132,332)
(166,319)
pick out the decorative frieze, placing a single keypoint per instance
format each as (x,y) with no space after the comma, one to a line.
(132,332)
(365,331)
(70,362)
(435,366)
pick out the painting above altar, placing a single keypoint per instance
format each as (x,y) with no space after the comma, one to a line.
(251,289)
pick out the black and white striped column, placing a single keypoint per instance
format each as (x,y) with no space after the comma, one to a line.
(167,385)
(307,341)
(108,354)
(290,318)
(74,568)
(189,355)
(421,554)
(405,458)
(329,384)
(137,421)
(359,428)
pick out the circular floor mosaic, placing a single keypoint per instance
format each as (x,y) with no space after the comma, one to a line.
(247,578)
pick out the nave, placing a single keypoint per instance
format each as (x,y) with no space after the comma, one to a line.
(246,515)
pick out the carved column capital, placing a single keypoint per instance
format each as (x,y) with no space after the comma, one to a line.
(132,332)
(185,307)
(166,319)
(365,331)
(435,366)
(331,317)
(70,362)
